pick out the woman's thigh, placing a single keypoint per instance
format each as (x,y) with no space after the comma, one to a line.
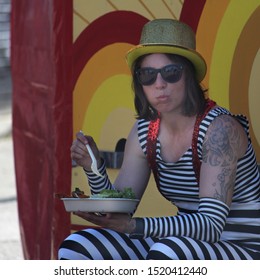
(103,244)
(186,248)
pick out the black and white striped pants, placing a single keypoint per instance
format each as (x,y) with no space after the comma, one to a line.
(104,244)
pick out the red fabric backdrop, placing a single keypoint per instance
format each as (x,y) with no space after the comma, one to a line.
(41,61)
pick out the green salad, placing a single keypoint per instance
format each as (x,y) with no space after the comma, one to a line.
(125,193)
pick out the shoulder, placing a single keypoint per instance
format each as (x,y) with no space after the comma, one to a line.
(139,129)
(220,117)
(142,124)
(142,127)
(133,147)
(226,125)
(225,135)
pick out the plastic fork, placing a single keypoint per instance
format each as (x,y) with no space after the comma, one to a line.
(94,161)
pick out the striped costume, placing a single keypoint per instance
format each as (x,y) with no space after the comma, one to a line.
(204,228)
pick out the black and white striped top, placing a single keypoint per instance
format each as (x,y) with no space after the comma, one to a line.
(205,219)
(178,184)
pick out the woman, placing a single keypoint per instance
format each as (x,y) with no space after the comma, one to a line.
(201,156)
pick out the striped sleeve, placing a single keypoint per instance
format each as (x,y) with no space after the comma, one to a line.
(206,224)
(96,183)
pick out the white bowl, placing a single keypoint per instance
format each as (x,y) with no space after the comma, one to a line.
(101,205)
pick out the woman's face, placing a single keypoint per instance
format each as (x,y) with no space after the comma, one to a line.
(163,96)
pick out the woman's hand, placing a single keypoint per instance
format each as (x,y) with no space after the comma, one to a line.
(116,221)
(79,152)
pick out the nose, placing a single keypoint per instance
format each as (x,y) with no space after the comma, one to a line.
(160,82)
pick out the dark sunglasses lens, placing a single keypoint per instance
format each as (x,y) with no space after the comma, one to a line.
(171,73)
(146,76)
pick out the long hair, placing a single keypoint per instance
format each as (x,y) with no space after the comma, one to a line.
(194,101)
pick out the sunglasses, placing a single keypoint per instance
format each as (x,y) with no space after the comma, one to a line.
(170,73)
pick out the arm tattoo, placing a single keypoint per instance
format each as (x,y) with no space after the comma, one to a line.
(220,149)
(224,186)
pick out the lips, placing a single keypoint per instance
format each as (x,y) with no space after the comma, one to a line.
(163,97)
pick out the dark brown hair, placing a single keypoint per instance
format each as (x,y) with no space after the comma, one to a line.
(194,102)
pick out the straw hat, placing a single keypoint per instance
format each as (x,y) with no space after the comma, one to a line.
(168,36)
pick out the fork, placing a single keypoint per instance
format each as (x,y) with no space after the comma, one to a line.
(94,161)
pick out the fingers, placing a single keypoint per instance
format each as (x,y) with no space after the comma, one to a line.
(79,152)
(85,139)
(100,219)
(79,144)
(78,149)
(82,138)
(115,221)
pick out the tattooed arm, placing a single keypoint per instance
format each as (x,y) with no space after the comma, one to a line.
(224,144)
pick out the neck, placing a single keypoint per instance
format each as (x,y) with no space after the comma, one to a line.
(177,122)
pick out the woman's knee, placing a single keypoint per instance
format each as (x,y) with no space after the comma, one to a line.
(173,248)
(81,245)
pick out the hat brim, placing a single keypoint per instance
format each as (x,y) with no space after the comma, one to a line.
(197,60)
